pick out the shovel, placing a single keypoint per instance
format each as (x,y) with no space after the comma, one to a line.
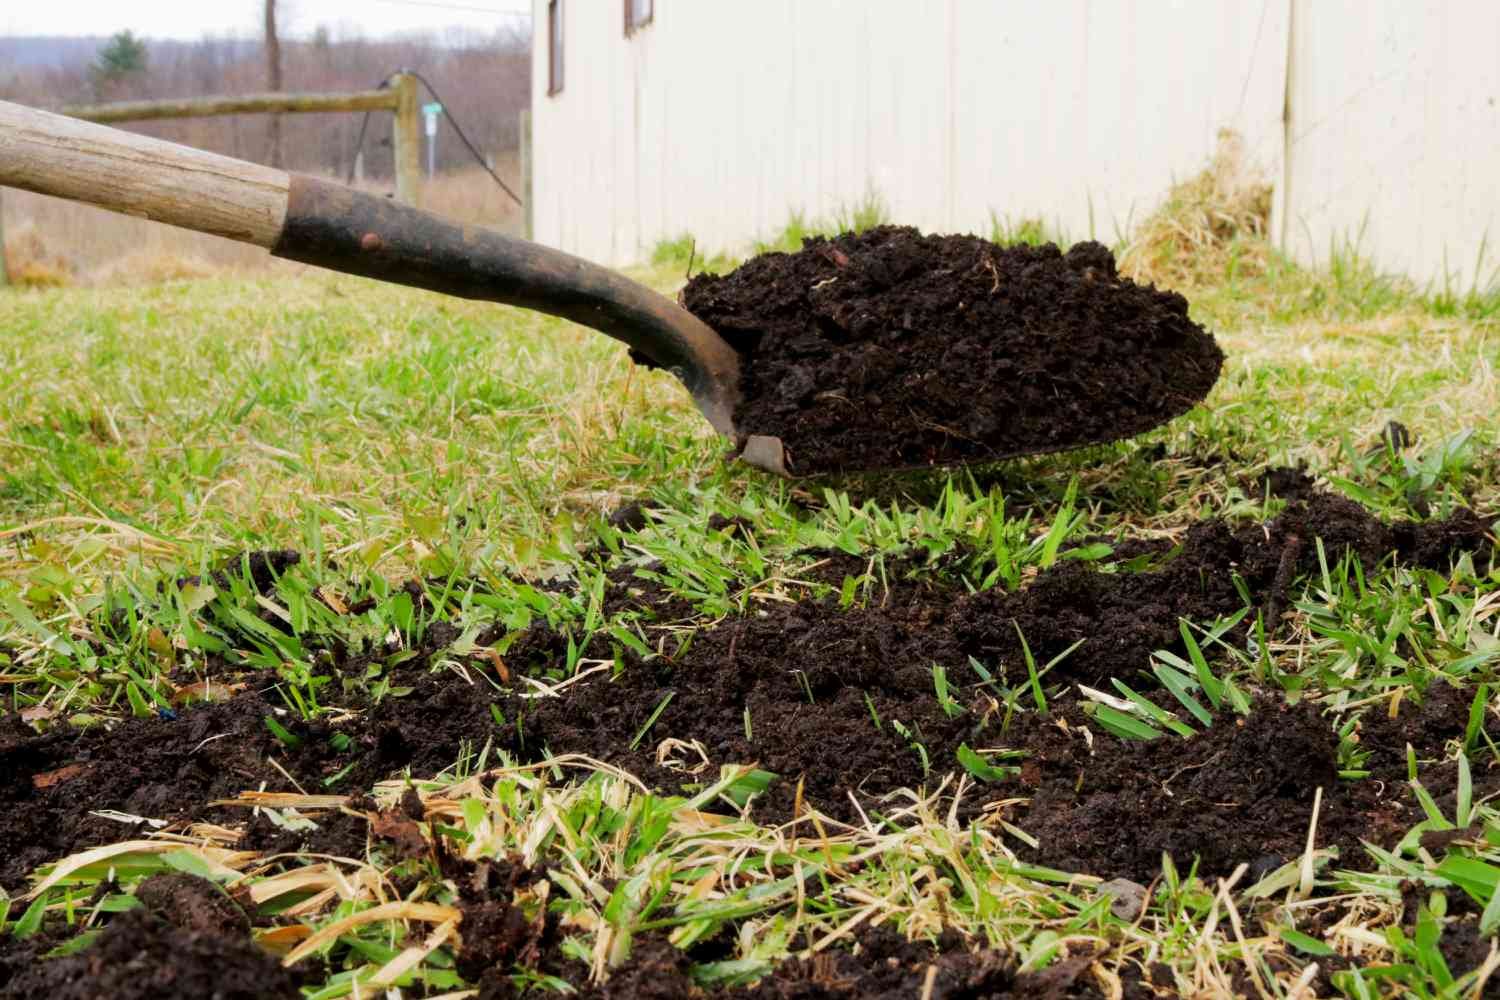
(328,225)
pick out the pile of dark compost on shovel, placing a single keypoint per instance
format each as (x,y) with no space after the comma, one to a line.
(889,349)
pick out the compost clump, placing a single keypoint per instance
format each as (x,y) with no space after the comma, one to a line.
(894,349)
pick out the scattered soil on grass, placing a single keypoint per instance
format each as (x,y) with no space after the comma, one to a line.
(791,687)
(157,950)
(259,568)
(1465,949)
(813,687)
(1429,724)
(1240,791)
(171,769)
(882,964)
(1123,617)
(339,834)
(193,904)
(154,768)
(497,931)
(891,349)
(18,955)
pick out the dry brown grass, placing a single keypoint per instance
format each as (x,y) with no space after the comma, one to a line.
(473,196)
(1210,227)
(50,241)
(29,264)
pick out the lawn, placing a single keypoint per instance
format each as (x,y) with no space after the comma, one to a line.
(447,643)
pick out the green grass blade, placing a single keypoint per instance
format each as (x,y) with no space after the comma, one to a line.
(1034,677)
(1153,711)
(1478,878)
(1181,689)
(1434,814)
(1476,718)
(980,768)
(1125,725)
(1464,795)
(1305,944)
(1061,524)
(661,707)
(1212,686)
(1489,920)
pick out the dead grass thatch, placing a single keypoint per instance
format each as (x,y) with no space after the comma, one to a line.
(29,264)
(1211,227)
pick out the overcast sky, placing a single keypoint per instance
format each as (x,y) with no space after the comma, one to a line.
(191,19)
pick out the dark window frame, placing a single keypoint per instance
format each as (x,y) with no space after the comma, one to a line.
(554,47)
(631,24)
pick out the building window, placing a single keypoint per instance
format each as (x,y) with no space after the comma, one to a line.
(554,46)
(638,14)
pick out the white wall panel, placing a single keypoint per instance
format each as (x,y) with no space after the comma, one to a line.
(722,117)
(1395,135)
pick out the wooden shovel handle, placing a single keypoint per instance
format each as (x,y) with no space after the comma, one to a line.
(141,176)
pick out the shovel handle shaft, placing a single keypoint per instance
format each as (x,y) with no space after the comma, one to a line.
(140,176)
(326,224)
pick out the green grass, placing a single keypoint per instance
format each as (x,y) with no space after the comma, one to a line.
(147,434)
(1031,230)
(866,213)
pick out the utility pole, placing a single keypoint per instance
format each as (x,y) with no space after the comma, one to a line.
(273,81)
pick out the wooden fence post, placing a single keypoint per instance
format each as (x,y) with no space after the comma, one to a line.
(407,139)
(528,220)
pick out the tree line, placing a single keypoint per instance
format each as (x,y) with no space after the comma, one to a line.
(484,81)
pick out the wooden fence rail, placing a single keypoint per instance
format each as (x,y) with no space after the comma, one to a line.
(399,97)
(203,107)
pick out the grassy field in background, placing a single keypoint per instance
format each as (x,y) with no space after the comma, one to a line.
(151,432)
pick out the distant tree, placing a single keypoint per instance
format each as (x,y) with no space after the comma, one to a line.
(121,58)
(321,38)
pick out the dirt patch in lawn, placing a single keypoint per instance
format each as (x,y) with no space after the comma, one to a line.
(186,939)
(1240,791)
(1433,725)
(793,687)
(1122,617)
(891,349)
(845,700)
(879,964)
(813,689)
(53,786)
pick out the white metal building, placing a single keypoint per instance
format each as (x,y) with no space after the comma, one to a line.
(1373,118)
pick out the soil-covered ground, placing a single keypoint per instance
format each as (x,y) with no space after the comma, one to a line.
(841,699)
(187,938)
(881,966)
(891,349)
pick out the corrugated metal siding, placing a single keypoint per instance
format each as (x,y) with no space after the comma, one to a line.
(723,117)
